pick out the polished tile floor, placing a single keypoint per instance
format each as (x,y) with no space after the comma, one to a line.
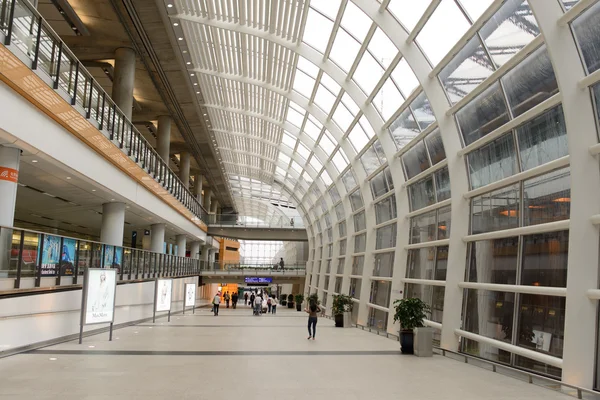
(237,355)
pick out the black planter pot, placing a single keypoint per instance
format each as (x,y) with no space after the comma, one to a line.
(284,302)
(298,307)
(406,341)
(290,304)
(339,320)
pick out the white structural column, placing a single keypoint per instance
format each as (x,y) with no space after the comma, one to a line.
(195,250)
(113,223)
(582,275)
(204,255)
(163,137)
(198,187)
(123,81)
(157,238)
(214,205)
(181,241)
(9,174)
(207,199)
(184,169)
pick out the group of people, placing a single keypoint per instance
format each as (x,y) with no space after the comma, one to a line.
(256,301)
(233,298)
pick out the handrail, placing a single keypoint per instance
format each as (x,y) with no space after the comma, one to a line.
(250,221)
(48,53)
(40,255)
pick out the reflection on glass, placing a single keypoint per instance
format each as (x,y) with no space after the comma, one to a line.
(530,82)
(543,139)
(354,290)
(444,222)
(342,229)
(511,28)
(422,111)
(404,129)
(421,263)
(377,319)
(342,247)
(339,211)
(370,160)
(356,200)
(349,180)
(382,183)
(360,242)
(492,162)
(385,209)
(435,147)
(587,31)
(432,296)
(380,293)
(596,96)
(483,114)
(494,261)
(423,228)
(386,237)
(496,210)
(466,71)
(421,193)
(545,257)
(359,222)
(442,184)
(338,285)
(384,264)
(547,198)
(415,160)
(489,314)
(441,263)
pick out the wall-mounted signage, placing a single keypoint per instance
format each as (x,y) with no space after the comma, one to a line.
(258,279)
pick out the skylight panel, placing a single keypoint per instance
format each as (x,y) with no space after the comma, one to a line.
(339,161)
(307,67)
(445,27)
(382,48)
(408,12)
(324,99)
(280,171)
(284,158)
(303,151)
(294,117)
(317,30)
(475,7)
(388,99)
(350,104)
(327,143)
(330,84)
(358,138)
(327,7)
(344,50)
(367,126)
(316,164)
(296,167)
(326,178)
(342,117)
(405,78)
(356,22)
(312,129)
(367,73)
(303,84)
(289,140)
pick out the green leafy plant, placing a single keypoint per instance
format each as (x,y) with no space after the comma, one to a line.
(299,298)
(290,298)
(313,298)
(410,312)
(341,304)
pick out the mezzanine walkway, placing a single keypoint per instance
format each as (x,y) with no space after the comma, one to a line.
(199,356)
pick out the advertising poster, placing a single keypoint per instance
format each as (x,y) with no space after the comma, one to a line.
(68,257)
(164,288)
(109,256)
(50,255)
(100,296)
(118,259)
(190,295)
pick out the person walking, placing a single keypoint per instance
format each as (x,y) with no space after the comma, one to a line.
(274,303)
(281,263)
(269,305)
(227,297)
(216,302)
(252,297)
(246,298)
(258,305)
(313,310)
(234,300)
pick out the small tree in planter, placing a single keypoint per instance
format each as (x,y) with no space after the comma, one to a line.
(290,301)
(299,298)
(283,299)
(341,304)
(410,312)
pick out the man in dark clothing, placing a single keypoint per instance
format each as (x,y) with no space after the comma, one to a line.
(246,299)
(234,300)
(281,264)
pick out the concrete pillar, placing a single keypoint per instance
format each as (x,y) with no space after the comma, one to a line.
(9,175)
(184,169)
(198,187)
(195,250)
(157,237)
(146,241)
(214,205)
(163,137)
(207,198)
(113,223)
(181,245)
(123,81)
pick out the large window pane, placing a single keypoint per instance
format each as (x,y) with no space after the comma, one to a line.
(432,296)
(494,261)
(421,263)
(349,180)
(489,314)
(483,114)
(444,222)
(423,228)
(441,263)
(380,293)
(384,264)
(543,139)
(370,161)
(379,185)
(442,184)
(354,290)
(385,209)
(547,198)
(404,129)
(587,32)
(415,160)
(342,229)
(338,285)
(342,251)
(359,222)
(435,147)
(386,237)
(545,257)
(377,319)
(492,162)
(421,193)
(356,201)
(530,82)
(360,242)
(496,210)
(422,111)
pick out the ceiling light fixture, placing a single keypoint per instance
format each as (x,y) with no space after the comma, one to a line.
(176,24)
(68,177)
(180,38)
(170,5)
(34,161)
(189,63)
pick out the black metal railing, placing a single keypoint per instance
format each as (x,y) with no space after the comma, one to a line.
(27,33)
(38,259)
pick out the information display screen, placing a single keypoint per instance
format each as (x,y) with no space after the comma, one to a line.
(190,295)
(164,288)
(101,287)
(258,279)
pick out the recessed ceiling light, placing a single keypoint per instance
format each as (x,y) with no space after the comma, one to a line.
(34,161)
(169,5)
(197,92)
(176,24)
(93,190)
(68,177)
(112,199)
(185,51)
(195,83)
(189,63)
(180,38)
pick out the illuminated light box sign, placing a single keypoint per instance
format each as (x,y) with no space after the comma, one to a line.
(164,288)
(100,290)
(258,279)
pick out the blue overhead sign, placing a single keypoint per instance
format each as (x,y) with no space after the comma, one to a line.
(258,279)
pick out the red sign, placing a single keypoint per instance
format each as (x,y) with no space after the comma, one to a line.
(9,174)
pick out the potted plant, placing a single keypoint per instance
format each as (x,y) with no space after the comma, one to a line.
(313,298)
(290,301)
(299,298)
(283,300)
(410,312)
(341,309)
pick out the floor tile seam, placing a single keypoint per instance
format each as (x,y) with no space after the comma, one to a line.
(215,353)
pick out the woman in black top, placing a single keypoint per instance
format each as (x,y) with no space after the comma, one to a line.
(312,311)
